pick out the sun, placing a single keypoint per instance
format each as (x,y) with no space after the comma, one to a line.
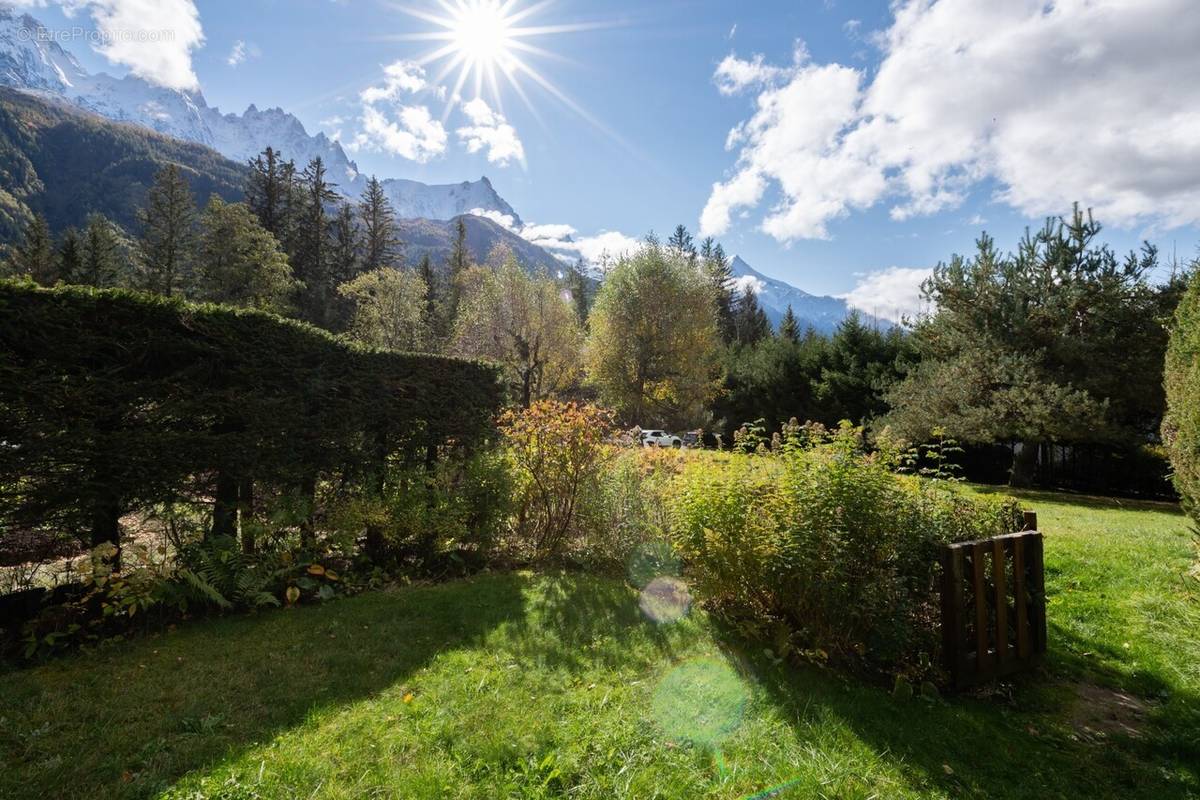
(482,44)
(481,32)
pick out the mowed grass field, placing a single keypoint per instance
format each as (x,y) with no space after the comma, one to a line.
(556,685)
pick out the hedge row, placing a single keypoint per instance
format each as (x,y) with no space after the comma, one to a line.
(112,401)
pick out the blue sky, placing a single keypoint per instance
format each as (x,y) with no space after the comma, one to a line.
(886,136)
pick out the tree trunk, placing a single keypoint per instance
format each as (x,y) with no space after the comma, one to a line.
(225,502)
(1024,465)
(308,528)
(246,514)
(106,526)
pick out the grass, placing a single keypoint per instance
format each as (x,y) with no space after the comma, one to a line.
(524,685)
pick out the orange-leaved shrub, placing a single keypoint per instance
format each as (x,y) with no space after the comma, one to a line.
(558,449)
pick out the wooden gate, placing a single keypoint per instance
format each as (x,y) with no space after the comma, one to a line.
(993,605)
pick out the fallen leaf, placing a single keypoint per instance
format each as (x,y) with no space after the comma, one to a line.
(316,569)
(946,768)
(408,698)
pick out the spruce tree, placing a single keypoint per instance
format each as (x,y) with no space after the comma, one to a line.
(168,238)
(312,259)
(101,254)
(344,264)
(381,246)
(720,276)
(789,328)
(70,256)
(578,286)
(34,256)
(434,320)
(460,261)
(752,323)
(267,190)
(681,245)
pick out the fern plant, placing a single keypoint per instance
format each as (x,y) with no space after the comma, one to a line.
(216,572)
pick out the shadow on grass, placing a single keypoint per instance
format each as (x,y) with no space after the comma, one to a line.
(1015,744)
(130,720)
(1090,501)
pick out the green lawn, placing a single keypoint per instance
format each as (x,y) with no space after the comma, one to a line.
(521,685)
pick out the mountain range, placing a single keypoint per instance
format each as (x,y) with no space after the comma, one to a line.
(35,64)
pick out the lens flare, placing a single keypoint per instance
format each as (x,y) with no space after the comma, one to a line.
(665,599)
(701,701)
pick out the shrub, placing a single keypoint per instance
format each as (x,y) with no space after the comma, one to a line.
(1181,424)
(557,449)
(826,548)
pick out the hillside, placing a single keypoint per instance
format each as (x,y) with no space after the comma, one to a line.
(821,312)
(67,163)
(435,238)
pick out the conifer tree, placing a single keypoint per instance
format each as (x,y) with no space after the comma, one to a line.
(681,245)
(101,254)
(344,264)
(789,328)
(460,261)
(34,256)
(381,246)
(312,259)
(70,256)
(578,287)
(752,323)
(268,188)
(240,262)
(168,238)
(432,311)
(720,276)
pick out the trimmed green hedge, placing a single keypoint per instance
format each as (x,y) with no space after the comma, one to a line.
(112,401)
(1181,376)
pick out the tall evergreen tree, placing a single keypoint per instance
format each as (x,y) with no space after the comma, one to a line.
(789,328)
(34,256)
(100,265)
(681,245)
(716,267)
(460,261)
(268,190)
(752,323)
(432,312)
(344,265)
(69,257)
(168,239)
(577,285)
(312,259)
(381,247)
(240,262)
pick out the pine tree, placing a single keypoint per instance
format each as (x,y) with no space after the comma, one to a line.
(720,276)
(70,256)
(433,318)
(268,188)
(344,264)
(789,328)
(313,254)
(34,256)
(381,246)
(578,287)
(681,245)
(752,323)
(168,238)
(460,261)
(101,254)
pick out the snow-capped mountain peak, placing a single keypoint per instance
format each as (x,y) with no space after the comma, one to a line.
(32,61)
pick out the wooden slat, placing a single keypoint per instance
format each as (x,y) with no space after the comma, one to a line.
(999,581)
(1037,590)
(1022,610)
(953,625)
(983,660)
(1030,520)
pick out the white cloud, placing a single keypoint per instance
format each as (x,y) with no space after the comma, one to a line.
(563,241)
(750,283)
(154,39)
(241,52)
(389,125)
(399,77)
(490,131)
(890,293)
(1055,102)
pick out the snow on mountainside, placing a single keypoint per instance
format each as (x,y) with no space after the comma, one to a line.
(33,62)
(821,312)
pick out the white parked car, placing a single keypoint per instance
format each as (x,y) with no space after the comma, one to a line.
(655,438)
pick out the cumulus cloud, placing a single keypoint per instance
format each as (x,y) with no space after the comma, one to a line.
(153,39)
(746,284)
(490,131)
(890,293)
(563,241)
(390,124)
(1054,102)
